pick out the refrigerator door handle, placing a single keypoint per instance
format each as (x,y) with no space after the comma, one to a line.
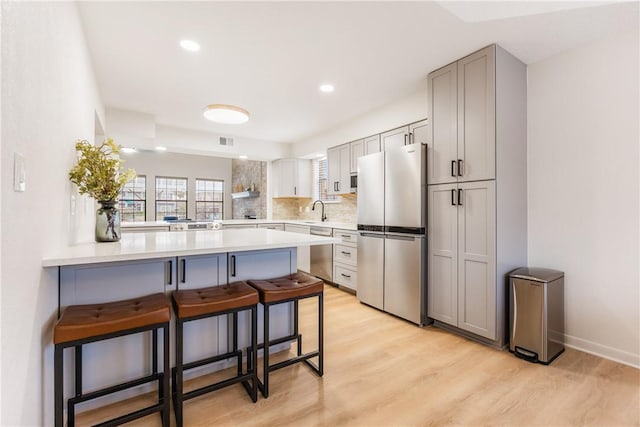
(395,237)
(377,236)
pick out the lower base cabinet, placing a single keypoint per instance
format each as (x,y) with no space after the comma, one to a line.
(462,289)
(345,259)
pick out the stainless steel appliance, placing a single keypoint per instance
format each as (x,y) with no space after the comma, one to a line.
(536,314)
(354,183)
(392,243)
(321,256)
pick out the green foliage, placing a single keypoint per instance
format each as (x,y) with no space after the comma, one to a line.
(98,172)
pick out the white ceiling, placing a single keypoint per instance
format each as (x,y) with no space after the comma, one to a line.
(270,57)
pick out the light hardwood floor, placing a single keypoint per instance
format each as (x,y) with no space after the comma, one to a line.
(383,371)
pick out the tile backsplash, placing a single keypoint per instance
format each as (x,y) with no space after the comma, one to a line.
(245,174)
(300,208)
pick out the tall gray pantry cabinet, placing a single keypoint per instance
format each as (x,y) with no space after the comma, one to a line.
(477,190)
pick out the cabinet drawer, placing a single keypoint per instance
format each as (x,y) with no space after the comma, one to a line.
(345,254)
(347,237)
(343,275)
(272,226)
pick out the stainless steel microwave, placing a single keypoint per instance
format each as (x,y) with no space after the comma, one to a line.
(354,183)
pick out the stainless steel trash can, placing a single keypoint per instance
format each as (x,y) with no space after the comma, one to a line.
(536,314)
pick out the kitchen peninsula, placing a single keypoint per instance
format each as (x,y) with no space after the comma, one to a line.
(146,263)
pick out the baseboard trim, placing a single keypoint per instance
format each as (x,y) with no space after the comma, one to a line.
(603,351)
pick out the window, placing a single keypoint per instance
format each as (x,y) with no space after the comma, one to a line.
(133,200)
(321,181)
(209,199)
(171,197)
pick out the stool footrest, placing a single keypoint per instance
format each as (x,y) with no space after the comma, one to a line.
(293,360)
(132,416)
(217,386)
(210,360)
(277,341)
(113,389)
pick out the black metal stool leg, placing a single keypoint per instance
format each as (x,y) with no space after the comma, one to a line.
(254,354)
(166,406)
(265,358)
(296,327)
(321,334)
(178,377)
(58,384)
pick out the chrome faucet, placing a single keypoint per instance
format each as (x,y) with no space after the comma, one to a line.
(313,208)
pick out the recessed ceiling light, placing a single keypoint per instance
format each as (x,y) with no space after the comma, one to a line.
(327,88)
(159,148)
(226,114)
(243,156)
(128,150)
(190,45)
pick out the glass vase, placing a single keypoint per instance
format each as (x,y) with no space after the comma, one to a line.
(108,221)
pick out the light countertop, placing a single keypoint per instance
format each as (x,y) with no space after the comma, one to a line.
(330,224)
(137,246)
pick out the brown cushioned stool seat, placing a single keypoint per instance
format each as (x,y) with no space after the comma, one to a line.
(84,321)
(194,304)
(289,289)
(84,324)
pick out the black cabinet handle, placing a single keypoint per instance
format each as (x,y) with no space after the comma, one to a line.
(295,190)
(184,270)
(459,196)
(345,252)
(459,167)
(405,139)
(232,266)
(170,272)
(345,275)
(453,166)
(453,197)
(411,138)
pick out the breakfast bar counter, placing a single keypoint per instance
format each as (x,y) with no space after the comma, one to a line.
(146,263)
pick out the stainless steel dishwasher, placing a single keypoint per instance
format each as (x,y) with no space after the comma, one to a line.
(322,255)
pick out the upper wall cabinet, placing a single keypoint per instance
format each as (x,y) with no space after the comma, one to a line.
(372,144)
(357,151)
(291,178)
(462,108)
(339,169)
(405,135)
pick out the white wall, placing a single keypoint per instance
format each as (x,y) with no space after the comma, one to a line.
(406,110)
(49,99)
(181,166)
(583,189)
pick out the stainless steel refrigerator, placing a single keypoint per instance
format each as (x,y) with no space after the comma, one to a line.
(392,223)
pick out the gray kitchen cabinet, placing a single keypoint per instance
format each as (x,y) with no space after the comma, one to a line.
(462,108)
(462,256)
(477,192)
(395,138)
(345,259)
(372,144)
(356,149)
(419,132)
(339,169)
(304,252)
(291,178)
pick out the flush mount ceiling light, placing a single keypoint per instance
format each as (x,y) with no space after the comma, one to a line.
(159,148)
(128,150)
(226,114)
(243,156)
(326,88)
(190,45)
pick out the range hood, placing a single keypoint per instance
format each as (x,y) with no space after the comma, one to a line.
(245,194)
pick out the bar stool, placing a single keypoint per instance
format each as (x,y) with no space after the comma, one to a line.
(291,288)
(84,324)
(190,305)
